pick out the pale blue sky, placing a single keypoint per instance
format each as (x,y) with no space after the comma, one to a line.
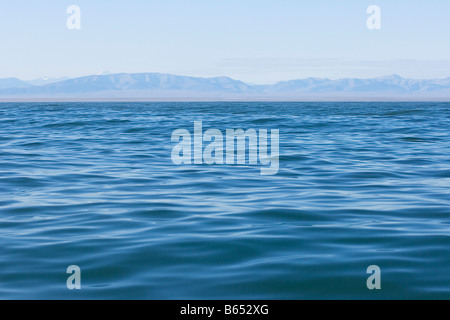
(259,41)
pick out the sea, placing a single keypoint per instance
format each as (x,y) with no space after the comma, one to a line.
(94,185)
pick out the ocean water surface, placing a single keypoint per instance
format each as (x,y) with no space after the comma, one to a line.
(93,185)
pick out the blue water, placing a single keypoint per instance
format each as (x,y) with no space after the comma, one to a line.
(93,185)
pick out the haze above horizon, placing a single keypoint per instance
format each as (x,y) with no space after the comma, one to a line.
(259,42)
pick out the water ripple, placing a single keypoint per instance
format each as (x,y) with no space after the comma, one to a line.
(92,184)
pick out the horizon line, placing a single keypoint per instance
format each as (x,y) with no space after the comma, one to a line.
(200,100)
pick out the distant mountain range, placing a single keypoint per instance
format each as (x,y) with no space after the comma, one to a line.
(13,83)
(9,83)
(156,86)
